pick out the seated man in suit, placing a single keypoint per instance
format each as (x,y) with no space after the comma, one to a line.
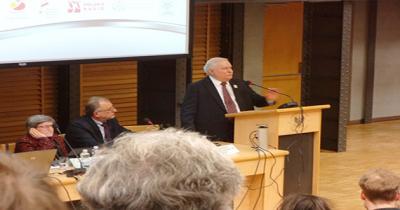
(98,126)
(207,101)
(380,190)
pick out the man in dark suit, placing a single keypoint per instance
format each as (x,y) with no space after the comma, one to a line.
(207,101)
(98,126)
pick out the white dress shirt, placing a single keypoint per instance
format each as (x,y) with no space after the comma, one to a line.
(218,86)
(100,126)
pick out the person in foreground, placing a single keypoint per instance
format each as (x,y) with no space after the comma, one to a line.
(303,202)
(97,126)
(160,170)
(22,187)
(207,101)
(41,135)
(380,189)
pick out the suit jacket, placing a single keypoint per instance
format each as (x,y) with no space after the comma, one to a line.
(204,111)
(84,132)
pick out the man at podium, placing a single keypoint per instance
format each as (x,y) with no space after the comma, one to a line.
(207,101)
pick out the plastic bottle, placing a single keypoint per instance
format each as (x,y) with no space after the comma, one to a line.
(95,150)
(262,135)
(85,156)
(85,153)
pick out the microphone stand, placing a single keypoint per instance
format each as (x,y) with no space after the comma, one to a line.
(75,171)
(290,104)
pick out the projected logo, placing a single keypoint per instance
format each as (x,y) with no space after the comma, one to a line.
(74,6)
(17,5)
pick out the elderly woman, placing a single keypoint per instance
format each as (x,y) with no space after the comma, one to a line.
(160,170)
(41,136)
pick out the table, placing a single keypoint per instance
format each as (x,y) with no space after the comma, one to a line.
(246,161)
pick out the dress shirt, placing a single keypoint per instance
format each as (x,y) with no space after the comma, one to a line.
(101,128)
(218,86)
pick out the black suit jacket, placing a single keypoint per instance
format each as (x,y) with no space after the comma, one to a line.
(203,109)
(84,132)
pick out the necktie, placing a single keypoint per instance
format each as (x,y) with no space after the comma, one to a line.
(229,104)
(107,135)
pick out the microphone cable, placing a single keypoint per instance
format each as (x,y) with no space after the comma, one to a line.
(66,191)
(290,104)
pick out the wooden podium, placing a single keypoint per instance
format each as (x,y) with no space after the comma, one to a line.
(286,124)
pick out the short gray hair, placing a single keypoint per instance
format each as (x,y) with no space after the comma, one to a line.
(35,120)
(161,170)
(211,63)
(93,104)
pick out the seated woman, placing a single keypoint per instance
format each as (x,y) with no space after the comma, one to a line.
(41,136)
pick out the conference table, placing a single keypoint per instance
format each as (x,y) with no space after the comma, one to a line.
(262,189)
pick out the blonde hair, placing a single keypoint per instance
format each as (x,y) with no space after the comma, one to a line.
(380,184)
(23,187)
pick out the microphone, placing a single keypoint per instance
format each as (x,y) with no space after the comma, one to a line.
(148,121)
(76,171)
(290,104)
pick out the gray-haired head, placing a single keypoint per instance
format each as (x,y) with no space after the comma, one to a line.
(161,170)
(211,63)
(35,120)
(93,104)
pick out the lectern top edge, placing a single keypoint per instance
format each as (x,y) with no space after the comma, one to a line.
(295,109)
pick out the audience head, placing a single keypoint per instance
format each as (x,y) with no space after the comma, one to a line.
(219,68)
(161,170)
(22,187)
(100,108)
(43,123)
(379,187)
(303,202)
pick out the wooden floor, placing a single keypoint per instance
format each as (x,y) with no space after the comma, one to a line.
(374,145)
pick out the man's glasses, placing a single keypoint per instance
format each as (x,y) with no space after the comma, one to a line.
(111,109)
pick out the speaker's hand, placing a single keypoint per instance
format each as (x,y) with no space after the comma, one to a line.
(271,95)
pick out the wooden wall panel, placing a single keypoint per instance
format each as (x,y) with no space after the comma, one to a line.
(206,39)
(50,90)
(25,92)
(116,81)
(283,29)
(283,38)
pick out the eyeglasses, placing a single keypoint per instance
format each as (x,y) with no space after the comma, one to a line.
(111,109)
(44,126)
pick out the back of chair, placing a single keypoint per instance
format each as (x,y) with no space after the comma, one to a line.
(8,147)
(142,128)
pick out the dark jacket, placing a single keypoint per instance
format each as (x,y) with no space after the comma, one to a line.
(203,109)
(84,132)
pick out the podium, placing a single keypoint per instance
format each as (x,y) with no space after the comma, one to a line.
(295,129)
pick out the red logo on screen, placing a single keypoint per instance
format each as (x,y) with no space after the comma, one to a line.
(74,6)
(17,5)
